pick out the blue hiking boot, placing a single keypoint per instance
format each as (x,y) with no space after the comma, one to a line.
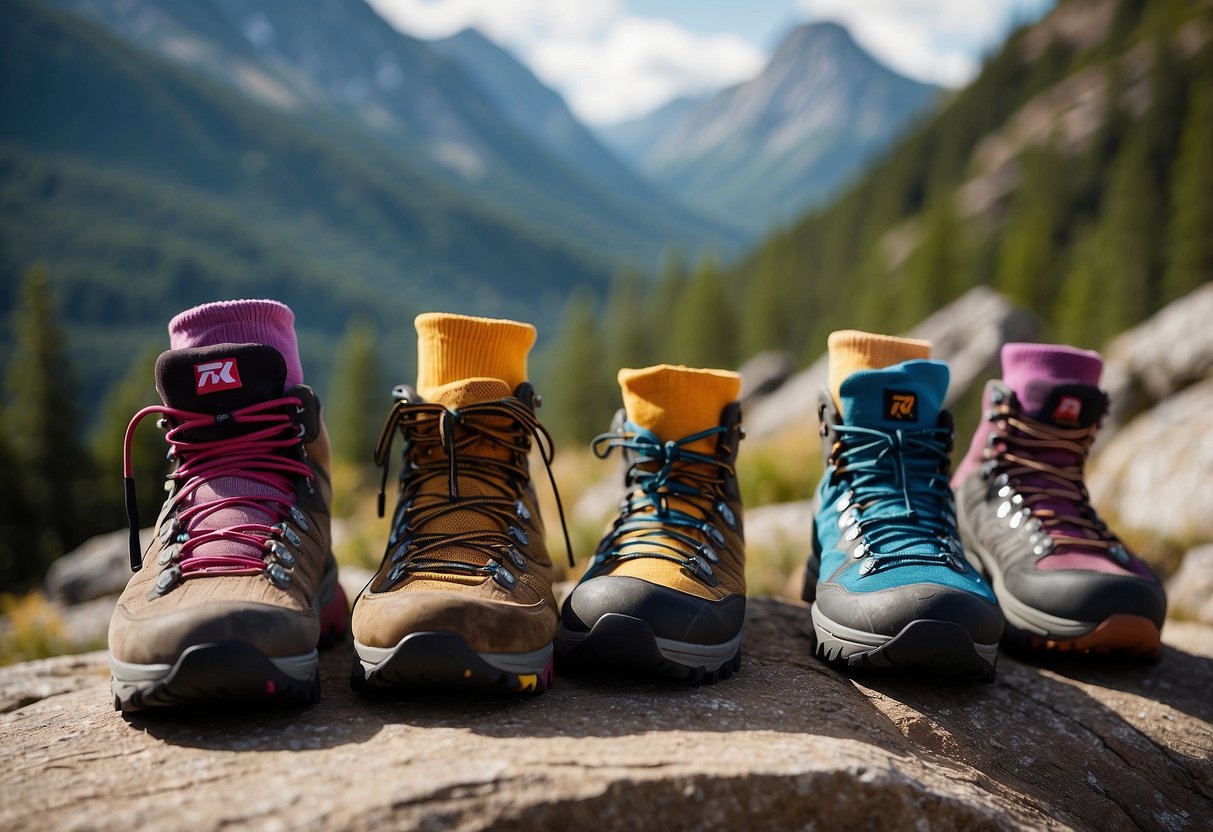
(888,578)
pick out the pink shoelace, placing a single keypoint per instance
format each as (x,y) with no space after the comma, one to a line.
(254,457)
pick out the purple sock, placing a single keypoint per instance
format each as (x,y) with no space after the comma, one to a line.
(1032,370)
(240,322)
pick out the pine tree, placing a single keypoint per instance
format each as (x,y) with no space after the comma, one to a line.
(148,448)
(935,272)
(17,532)
(627,338)
(580,393)
(705,332)
(1028,254)
(56,473)
(359,395)
(760,311)
(1190,232)
(1127,235)
(662,306)
(1076,319)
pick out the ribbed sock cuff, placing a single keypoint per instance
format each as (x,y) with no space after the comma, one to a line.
(674,402)
(1052,364)
(240,322)
(851,350)
(455,347)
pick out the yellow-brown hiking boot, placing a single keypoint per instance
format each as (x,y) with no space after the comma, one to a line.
(665,592)
(239,585)
(464,594)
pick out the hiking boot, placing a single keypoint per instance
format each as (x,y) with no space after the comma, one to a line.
(464,594)
(239,585)
(888,580)
(1066,583)
(665,592)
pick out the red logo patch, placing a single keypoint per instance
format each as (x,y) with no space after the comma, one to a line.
(1069,409)
(214,376)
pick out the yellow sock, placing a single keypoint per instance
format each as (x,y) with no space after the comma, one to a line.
(674,402)
(452,348)
(852,350)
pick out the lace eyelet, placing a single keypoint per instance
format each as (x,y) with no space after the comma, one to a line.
(505,578)
(165,581)
(288,534)
(281,554)
(299,518)
(278,575)
(168,554)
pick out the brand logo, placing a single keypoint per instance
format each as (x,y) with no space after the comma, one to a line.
(1068,409)
(901,406)
(214,376)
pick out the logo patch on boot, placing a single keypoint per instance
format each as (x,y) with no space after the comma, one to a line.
(901,406)
(213,376)
(1068,410)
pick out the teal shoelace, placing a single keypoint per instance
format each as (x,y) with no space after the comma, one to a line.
(649,525)
(897,497)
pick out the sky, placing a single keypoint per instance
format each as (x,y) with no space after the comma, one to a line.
(613,60)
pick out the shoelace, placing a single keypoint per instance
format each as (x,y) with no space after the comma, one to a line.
(897,497)
(427,426)
(649,524)
(1051,491)
(254,455)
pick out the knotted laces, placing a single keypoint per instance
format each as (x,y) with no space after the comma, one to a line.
(473,459)
(261,444)
(673,506)
(1037,468)
(897,497)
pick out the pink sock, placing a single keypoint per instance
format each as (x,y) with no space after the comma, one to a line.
(1033,370)
(240,322)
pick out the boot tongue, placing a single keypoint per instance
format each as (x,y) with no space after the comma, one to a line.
(905,396)
(676,402)
(460,394)
(1065,405)
(220,378)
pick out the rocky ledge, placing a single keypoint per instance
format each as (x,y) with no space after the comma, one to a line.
(787,743)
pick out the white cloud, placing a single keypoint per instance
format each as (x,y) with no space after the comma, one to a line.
(506,21)
(940,41)
(607,63)
(640,63)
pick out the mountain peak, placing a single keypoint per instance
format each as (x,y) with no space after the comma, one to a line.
(817,41)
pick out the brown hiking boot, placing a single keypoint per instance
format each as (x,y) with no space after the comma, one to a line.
(666,590)
(239,585)
(464,594)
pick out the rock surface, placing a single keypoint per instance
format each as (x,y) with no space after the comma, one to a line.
(1155,475)
(100,566)
(764,373)
(967,333)
(789,743)
(1160,356)
(1190,590)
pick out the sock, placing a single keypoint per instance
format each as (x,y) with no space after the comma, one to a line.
(1032,370)
(458,348)
(674,402)
(851,350)
(240,322)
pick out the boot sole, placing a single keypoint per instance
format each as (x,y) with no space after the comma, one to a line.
(1030,630)
(623,643)
(440,659)
(924,645)
(231,671)
(1127,636)
(213,673)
